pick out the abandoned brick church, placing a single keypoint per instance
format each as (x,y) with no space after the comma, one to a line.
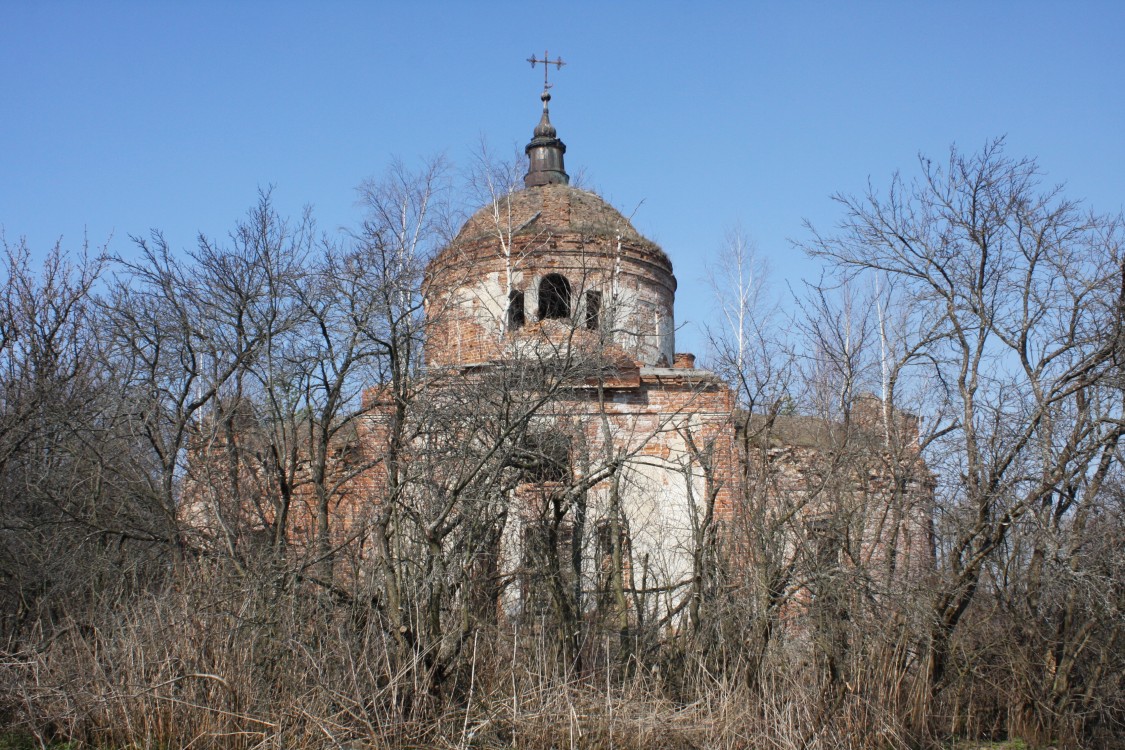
(615,451)
(552,277)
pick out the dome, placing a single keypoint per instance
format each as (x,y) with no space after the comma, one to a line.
(538,266)
(556,210)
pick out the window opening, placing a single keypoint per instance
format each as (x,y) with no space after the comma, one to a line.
(554,297)
(545,457)
(516,315)
(593,310)
(547,549)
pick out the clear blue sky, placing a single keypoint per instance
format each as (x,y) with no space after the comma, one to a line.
(119,117)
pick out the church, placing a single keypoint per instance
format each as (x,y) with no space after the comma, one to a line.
(556,445)
(622,447)
(626,470)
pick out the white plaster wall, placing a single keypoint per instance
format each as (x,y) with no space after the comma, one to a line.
(635,321)
(660,513)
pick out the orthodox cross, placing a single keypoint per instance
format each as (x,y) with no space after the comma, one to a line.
(546,62)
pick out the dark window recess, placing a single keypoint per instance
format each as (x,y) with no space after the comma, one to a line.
(554,297)
(593,310)
(516,316)
(545,546)
(604,534)
(545,457)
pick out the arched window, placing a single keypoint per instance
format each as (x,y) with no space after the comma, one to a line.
(516,316)
(554,297)
(545,457)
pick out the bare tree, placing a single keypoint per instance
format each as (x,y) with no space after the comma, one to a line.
(1010,343)
(243,470)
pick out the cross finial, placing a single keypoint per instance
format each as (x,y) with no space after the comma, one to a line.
(546,62)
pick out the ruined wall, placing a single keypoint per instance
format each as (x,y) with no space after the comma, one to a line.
(854,494)
(667,435)
(251,485)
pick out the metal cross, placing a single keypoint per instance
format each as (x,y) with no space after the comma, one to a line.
(546,62)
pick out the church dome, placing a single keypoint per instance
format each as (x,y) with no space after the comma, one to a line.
(543,264)
(556,210)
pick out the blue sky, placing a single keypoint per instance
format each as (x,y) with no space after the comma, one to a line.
(121,117)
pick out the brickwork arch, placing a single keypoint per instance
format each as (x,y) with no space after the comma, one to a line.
(554,297)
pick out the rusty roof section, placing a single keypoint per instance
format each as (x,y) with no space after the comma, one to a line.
(555,210)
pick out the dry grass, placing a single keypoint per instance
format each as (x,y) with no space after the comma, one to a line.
(214,663)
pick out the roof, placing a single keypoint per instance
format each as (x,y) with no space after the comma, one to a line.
(555,209)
